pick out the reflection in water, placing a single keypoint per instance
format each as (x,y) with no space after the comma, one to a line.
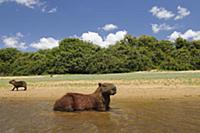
(137,116)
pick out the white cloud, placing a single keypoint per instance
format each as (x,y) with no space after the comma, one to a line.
(182,12)
(110,39)
(109,27)
(92,37)
(14,41)
(174,36)
(74,36)
(189,35)
(49,11)
(161,13)
(53,10)
(44,9)
(27,3)
(113,38)
(161,27)
(41,4)
(19,34)
(45,43)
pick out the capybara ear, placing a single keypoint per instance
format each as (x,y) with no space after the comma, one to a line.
(99,84)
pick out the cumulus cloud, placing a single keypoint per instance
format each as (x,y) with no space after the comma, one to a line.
(189,35)
(92,37)
(27,3)
(182,12)
(45,43)
(113,38)
(110,39)
(109,27)
(161,27)
(161,13)
(14,41)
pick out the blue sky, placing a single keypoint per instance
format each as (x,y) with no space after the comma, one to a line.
(40,24)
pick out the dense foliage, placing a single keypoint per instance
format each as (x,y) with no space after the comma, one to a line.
(130,54)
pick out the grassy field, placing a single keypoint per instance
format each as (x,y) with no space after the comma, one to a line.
(183,77)
(137,84)
(120,76)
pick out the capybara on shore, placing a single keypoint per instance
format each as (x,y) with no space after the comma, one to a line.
(18,84)
(99,100)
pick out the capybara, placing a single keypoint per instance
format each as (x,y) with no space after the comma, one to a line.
(18,84)
(99,100)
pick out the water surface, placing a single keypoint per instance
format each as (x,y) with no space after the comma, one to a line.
(126,116)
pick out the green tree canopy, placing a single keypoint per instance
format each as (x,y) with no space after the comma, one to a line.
(130,54)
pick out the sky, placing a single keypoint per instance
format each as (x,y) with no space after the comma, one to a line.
(30,25)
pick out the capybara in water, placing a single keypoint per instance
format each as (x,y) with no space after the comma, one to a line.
(18,84)
(99,100)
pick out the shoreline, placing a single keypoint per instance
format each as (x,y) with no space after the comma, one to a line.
(125,92)
(144,85)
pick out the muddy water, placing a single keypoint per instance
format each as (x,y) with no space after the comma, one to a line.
(126,116)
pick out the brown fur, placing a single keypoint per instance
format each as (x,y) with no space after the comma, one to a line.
(99,100)
(18,84)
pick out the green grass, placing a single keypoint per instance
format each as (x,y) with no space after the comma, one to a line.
(188,76)
(130,76)
(121,76)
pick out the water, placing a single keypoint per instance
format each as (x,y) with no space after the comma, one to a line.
(126,116)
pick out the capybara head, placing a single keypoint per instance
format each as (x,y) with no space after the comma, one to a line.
(108,88)
(12,81)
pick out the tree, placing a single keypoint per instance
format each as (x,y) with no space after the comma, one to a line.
(183,59)
(130,54)
(73,56)
(7,57)
(181,43)
(146,40)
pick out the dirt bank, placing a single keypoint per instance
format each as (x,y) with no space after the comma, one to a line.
(145,89)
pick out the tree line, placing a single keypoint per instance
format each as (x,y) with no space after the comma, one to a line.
(130,54)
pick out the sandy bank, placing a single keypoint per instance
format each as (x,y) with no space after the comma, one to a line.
(155,89)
